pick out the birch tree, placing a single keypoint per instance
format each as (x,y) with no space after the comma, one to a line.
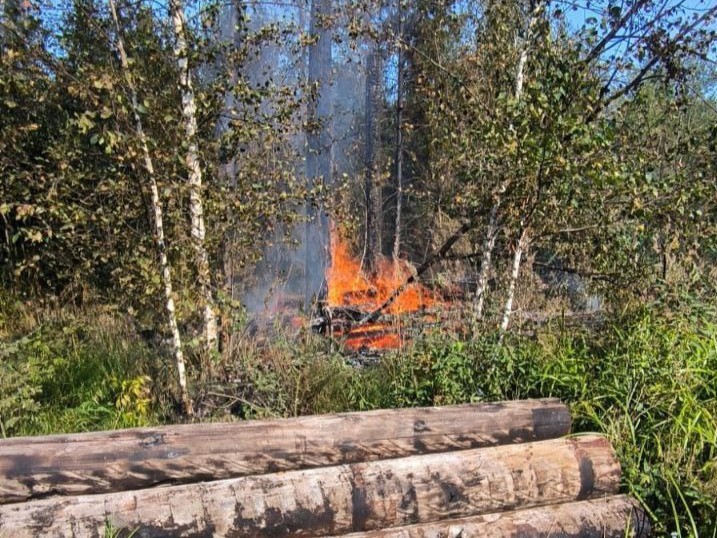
(670,40)
(491,231)
(194,170)
(164,265)
(523,239)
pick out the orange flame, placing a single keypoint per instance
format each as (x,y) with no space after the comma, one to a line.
(349,286)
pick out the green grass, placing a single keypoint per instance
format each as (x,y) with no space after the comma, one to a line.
(76,373)
(647,380)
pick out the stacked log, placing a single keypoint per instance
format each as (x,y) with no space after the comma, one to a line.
(612,517)
(490,469)
(101,462)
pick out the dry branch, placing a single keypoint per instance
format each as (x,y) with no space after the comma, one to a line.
(433,258)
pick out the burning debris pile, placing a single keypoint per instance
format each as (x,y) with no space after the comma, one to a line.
(352,296)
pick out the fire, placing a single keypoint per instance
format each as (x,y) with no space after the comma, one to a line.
(349,286)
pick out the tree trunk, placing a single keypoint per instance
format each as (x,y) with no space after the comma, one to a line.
(372,185)
(335,500)
(228,169)
(399,130)
(189,116)
(102,462)
(520,248)
(319,158)
(491,235)
(491,231)
(164,265)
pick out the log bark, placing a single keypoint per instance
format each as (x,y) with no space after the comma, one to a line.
(101,462)
(157,214)
(336,500)
(611,517)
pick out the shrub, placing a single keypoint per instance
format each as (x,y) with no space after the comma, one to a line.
(75,374)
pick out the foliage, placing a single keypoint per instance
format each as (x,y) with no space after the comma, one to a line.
(605,156)
(76,373)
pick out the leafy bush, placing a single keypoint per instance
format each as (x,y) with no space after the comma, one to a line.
(75,374)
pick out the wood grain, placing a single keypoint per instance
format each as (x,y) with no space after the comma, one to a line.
(36,467)
(335,500)
(611,517)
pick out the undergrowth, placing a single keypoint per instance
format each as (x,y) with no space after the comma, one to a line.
(74,372)
(646,379)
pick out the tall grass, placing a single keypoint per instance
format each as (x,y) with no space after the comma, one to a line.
(74,371)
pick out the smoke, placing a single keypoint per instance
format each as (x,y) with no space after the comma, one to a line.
(330,79)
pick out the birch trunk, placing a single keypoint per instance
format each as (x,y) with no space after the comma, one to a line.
(189,116)
(520,249)
(492,228)
(165,267)
(491,235)
(399,133)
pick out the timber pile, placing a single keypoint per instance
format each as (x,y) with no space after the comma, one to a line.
(499,470)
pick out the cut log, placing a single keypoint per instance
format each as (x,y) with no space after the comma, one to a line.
(611,517)
(138,458)
(342,499)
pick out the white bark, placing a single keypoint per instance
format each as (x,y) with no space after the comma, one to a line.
(491,231)
(165,267)
(520,72)
(520,249)
(196,210)
(491,234)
